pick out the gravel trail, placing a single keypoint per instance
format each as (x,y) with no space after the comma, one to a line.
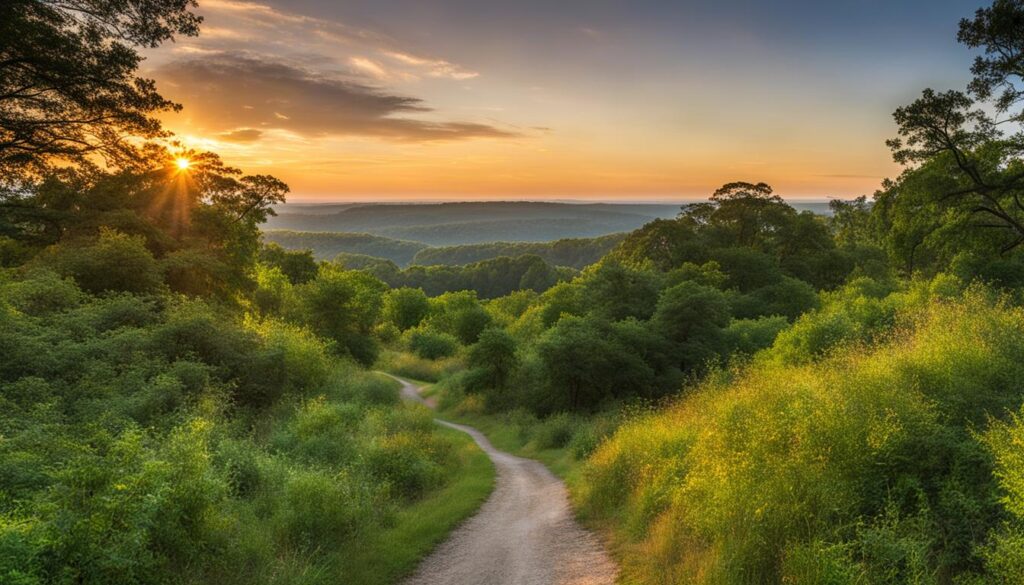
(524,534)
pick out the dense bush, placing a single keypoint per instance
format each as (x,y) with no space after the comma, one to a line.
(431,345)
(157,439)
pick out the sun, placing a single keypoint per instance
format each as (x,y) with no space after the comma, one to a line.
(183,164)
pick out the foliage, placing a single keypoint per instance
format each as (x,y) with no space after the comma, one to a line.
(128,454)
(298,266)
(68,83)
(343,306)
(575,253)
(328,245)
(431,345)
(489,278)
(862,466)
(405,307)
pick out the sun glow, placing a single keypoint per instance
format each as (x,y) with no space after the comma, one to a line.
(183,164)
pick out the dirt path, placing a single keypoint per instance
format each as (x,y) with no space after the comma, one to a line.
(525,534)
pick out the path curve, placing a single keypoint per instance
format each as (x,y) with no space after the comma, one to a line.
(524,534)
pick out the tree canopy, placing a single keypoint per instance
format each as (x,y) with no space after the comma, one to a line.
(69,90)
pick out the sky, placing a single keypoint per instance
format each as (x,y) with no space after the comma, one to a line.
(641,100)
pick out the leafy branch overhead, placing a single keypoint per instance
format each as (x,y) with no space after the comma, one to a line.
(952,130)
(69,89)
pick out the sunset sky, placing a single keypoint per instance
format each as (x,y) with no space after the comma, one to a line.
(639,100)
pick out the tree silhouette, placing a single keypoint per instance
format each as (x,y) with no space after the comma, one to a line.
(68,86)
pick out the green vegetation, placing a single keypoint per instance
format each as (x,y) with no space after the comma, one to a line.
(851,408)
(386,555)
(351,248)
(327,245)
(178,402)
(490,278)
(744,393)
(574,253)
(157,438)
(455,224)
(862,466)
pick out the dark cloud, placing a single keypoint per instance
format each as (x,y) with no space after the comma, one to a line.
(229,91)
(241,135)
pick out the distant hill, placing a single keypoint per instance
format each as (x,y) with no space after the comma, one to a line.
(327,245)
(576,252)
(563,234)
(450,224)
(447,224)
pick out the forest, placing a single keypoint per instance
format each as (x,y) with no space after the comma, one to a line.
(742,393)
(569,252)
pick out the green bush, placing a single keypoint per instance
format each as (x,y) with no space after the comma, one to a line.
(405,461)
(323,511)
(431,345)
(112,262)
(555,431)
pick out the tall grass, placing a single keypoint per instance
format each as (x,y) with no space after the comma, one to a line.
(862,466)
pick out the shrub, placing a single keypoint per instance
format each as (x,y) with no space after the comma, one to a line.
(405,307)
(405,461)
(555,431)
(748,336)
(431,345)
(323,511)
(321,432)
(113,262)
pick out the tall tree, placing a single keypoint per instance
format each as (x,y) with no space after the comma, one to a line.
(952,127)
(747,214)
(69,89)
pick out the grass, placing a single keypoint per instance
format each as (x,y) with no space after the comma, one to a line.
(387,555)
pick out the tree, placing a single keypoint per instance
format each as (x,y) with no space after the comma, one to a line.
(952,127)
(851,221)
(692,316)
(343,306)
(406,307)
(615,292)
(298,265)
(494,356)
(68,84)
(663,243)
(430,344)
(998,31)
(747,214)
(112,262)
(584,364)
(200,223)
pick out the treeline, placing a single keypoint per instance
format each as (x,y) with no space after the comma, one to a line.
(572,252)
(489,279)
(327,245)
(671,300)
(450,224)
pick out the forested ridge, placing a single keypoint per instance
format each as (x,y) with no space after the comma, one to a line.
(569,252)
(742,393)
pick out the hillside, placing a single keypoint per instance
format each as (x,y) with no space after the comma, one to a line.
(575,252)
(446,224)
(327,245)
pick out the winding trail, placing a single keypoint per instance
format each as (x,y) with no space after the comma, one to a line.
(524,534)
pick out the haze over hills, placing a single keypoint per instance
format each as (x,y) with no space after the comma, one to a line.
(447,224)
